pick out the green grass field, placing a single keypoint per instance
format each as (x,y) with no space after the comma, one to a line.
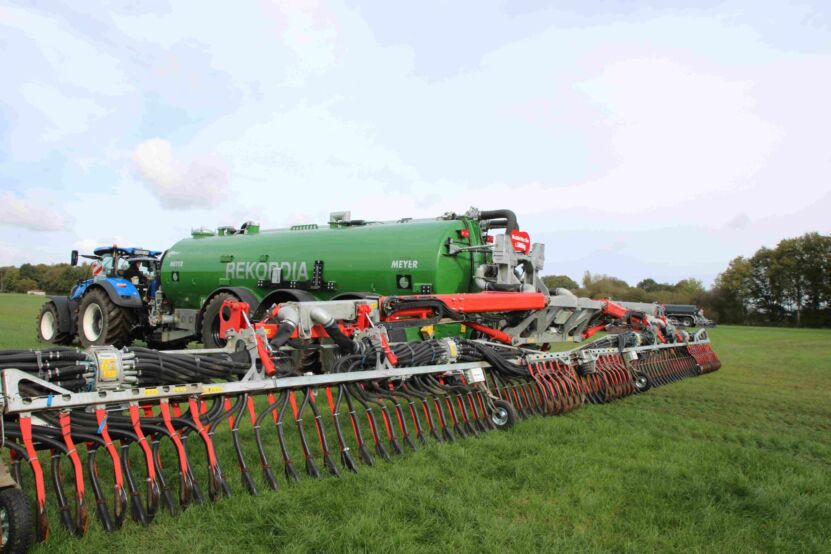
(735,461)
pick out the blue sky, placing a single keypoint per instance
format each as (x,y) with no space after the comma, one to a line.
(631,140)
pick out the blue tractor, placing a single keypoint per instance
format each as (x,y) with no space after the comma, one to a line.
(112,307)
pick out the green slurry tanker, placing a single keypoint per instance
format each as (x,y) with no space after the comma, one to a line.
(182,294)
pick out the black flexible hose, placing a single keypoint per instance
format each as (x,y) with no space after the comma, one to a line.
(508,215)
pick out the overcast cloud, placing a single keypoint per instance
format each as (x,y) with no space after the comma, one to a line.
(633,141)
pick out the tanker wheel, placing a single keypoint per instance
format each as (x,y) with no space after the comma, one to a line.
(503,415)
(48,325)
(101,322)
(16,521)
(210,320)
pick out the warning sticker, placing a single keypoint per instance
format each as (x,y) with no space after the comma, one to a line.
(108,367)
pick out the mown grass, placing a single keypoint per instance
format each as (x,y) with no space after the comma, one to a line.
(735,461)
(18,314)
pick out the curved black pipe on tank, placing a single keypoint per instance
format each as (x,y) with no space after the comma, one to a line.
(507,215)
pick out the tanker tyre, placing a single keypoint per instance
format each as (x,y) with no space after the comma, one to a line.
(48,325)
(101,322)
(16,521)
(210,320)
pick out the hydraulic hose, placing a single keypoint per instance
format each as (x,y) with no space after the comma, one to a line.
(507,215)
(289,318)
(322,317)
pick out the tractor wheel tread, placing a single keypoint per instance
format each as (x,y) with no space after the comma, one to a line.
(117,324)
(59,338)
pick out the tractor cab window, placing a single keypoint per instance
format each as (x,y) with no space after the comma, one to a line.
(106,262)
(137,271)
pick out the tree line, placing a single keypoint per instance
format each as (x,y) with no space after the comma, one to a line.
(786,285)
(55,278)
(789,284)
(686,291)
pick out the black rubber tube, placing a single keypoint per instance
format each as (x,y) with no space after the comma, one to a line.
(507,215)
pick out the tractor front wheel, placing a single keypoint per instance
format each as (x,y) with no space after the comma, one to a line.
(49,325)
(101,322)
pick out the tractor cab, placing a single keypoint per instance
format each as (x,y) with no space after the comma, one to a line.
(136,265)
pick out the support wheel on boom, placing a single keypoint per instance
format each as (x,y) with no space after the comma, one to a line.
(49,325)
(641,382)
(101,322)
(16,521)
(503,415)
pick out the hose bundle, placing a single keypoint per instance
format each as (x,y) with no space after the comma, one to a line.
(162,368)
(63,367)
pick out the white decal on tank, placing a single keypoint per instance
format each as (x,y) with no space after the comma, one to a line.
(404,264)
(288,271)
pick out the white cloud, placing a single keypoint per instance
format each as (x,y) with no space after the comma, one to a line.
(201,182)
(31,212)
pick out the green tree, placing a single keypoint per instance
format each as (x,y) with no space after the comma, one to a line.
(605,286)
(8,278)
(560,281)
(731,293)
(649,285)
(787,269)
(25,284)
(689,287)
(765,286)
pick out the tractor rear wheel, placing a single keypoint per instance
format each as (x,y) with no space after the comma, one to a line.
(210,320)
(15,520)
(49,325)
(101,322)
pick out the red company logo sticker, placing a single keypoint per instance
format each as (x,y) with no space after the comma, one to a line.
(521,241)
